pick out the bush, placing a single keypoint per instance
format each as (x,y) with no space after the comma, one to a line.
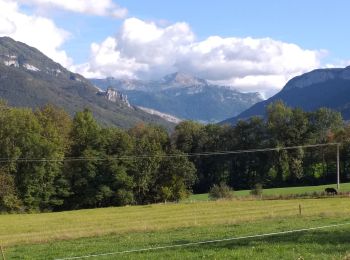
(124,197)
(257,190)
(221,191)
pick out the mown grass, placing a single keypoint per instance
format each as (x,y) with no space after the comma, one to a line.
(345,187)
(332,243)
(75,233)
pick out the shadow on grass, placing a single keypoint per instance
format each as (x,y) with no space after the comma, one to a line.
(324,242)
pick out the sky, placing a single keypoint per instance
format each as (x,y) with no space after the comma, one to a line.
(251,45)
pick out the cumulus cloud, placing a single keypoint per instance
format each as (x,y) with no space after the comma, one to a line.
(106,60)
(141,50)
(146,50)
(36,31)
(93,7)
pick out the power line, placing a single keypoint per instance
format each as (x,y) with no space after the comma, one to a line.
(203,242)
(132,157)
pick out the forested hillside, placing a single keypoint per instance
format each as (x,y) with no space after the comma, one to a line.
(28,78)
(50,161)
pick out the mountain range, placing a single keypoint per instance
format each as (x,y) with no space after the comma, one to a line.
(319,88)
(184,96)
(28,78)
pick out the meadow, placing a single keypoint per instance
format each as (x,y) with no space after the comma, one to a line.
(344,187)
(98,231)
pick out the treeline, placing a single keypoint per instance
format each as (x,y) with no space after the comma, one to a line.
(50,161)
(282,127)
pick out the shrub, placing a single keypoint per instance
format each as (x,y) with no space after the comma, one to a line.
(257,190)
(124,197)
(221,191)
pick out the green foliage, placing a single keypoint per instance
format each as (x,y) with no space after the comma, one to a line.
(257,190)
(326,123)
(187,136)
(8,197)
(176,176)
(148,149)
(87,186)
(85,165)
(25,135)
(221,191)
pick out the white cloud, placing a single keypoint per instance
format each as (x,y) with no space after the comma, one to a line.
(338,64)
(93,7)
(36,31)
(107,60)
(145,50)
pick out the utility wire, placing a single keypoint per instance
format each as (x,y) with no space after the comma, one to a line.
(132,157)
(203,242)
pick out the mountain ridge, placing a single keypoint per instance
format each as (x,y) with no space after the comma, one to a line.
(315,89)
(184,96)
(28,78)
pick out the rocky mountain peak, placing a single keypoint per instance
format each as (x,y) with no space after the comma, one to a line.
(318,76)
(114,96)
(21,56)
(183,79)
(184,96)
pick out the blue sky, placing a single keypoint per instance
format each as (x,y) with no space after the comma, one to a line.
(260,44)
(312,24)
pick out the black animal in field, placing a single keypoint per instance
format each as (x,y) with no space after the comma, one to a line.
(330,191)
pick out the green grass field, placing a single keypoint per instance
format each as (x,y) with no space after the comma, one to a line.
(344,187)
(331,243)
(84,232)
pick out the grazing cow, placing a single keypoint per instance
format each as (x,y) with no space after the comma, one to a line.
(331,191)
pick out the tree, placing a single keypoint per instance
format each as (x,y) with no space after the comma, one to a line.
(115,174)
(279,117)
(25,140)
(288,127)
(150,144)
(249,168)
(187,136)
(210,169)
(343,137)
(325,123)
(191,137)
(85,144)
(56,125)
(8,195)
(175,177)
